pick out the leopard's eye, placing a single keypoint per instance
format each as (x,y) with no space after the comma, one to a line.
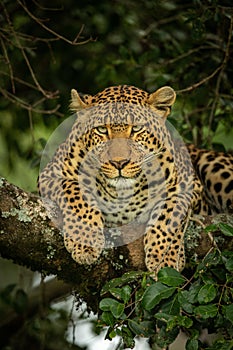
(137,128)
(103,130)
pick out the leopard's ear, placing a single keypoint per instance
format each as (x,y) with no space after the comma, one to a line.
(162,100)
(79,101)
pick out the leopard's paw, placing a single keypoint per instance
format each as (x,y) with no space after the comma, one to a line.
(85,251)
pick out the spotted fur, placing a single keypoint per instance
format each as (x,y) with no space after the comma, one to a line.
(120,165)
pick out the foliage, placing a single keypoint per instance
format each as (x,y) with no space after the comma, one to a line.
(136,305)
(47,50)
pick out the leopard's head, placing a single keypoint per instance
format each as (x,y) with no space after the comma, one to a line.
(123,129)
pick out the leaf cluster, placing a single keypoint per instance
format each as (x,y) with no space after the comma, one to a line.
(135,305)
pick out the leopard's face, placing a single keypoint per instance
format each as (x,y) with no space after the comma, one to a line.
(121,136)
(122,151)
(121,155)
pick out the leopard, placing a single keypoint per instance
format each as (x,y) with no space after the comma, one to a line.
(123,164)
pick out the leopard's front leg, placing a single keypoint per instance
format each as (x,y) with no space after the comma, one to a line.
(82,222)
(164,237)
(82,225)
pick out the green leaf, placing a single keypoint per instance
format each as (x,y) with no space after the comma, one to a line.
(185,301)
(162,317)
(108,318)
(213,258)
(184,321)
(112,334)
(128,337)
(222,344)
(229,312)
(117,309)
(189,297)
(206,294)
(112,305)
(116,292)
(171,306)
(229,264)
(124,279)
(174,321)
(163,338)
(123,293)
(206,311)
(155,293)
(126,293)
(211,228)
(181,321)
(227,230)
(143,329)
(148,328)
(105,304)
(207,278)
(144,281)
(191,344)
(229,277)
(170,277)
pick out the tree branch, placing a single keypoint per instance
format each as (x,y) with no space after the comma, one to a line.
(29,238)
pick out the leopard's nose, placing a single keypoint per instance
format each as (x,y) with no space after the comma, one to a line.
(119,163)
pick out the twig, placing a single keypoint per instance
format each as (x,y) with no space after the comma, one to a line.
(26,37)
(186,54)
(19,80)
(9,65)
(219,79)
(204,80)
(31,125)
(57,35)
(27,106)
(47,8)
(218,69)
(39,87)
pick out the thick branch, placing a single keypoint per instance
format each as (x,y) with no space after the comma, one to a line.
(29,238)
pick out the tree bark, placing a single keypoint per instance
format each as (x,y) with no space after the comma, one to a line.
(28,237)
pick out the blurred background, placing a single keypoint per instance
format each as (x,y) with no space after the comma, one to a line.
(48,49)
